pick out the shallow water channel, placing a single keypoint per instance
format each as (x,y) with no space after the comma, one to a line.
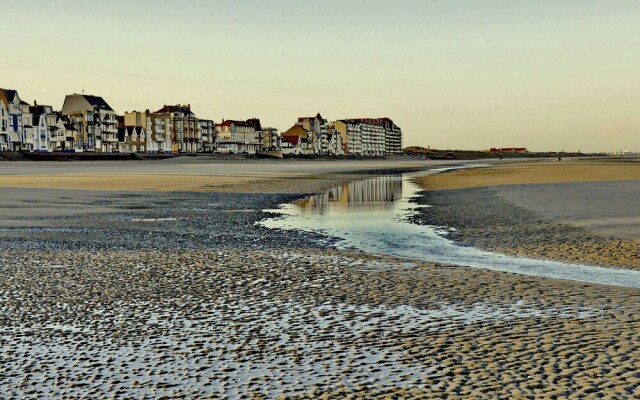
(373,216)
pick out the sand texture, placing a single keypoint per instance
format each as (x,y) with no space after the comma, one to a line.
(179,294)
(516,173)
(515,210)
(304,324)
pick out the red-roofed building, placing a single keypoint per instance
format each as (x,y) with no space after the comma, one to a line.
(238,137)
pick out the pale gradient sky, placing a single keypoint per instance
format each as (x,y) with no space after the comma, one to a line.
(548,75)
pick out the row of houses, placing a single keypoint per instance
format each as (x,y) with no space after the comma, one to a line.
(88,123)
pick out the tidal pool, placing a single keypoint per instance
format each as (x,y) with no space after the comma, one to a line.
(373,215)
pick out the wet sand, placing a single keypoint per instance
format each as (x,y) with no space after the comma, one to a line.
(180,294)
(511,172)
(193,174)
(578,211)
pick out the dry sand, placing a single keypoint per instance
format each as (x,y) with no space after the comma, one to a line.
(518,173)
(197,175)
(579,211)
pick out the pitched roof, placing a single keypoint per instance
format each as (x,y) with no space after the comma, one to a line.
(318,116)
(255,122)
(10,94)
(236,123)
(74,103)
(175,108)
(97,102)
(293,139)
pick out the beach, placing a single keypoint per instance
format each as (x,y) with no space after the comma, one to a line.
(154,279)
(576,210)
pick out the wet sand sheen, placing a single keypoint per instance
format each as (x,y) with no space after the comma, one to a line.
(588,213)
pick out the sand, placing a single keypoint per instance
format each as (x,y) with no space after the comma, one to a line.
(546,171)
(179,294)
(579,211)
(303,323)
(197,175)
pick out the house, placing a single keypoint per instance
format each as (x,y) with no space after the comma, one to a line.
(297,140)
(12,132)
(132,139)
(46,135)
(94,119)
(237,137)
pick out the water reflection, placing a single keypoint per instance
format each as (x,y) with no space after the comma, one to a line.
(372,216)
(380,192)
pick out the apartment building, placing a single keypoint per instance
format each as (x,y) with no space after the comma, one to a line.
(208,135)
(237,137)
(370,136)
(95,121)
(269,139)
(157,128)
(184,127)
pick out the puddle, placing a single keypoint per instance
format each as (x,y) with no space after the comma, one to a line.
(372,215)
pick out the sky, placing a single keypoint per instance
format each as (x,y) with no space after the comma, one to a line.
(546,75)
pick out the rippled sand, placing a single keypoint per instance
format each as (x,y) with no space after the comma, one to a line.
(306,324)
(145,295)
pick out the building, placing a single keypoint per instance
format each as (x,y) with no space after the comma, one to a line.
(370,136)
(95,121)
(208,136)
(335,145)
(298,140)
(184,128)
(351,137)
(237,137)
(5,125)
(158,135)
(132,139)
(12,132)
(269,139)
(508,150)
(47,136)
(318,129)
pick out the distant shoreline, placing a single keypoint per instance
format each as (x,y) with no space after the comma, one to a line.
(426,155)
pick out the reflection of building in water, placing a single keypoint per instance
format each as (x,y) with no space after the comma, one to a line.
(378,190)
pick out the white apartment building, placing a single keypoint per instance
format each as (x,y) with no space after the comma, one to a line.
(370,136)
(237,137)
